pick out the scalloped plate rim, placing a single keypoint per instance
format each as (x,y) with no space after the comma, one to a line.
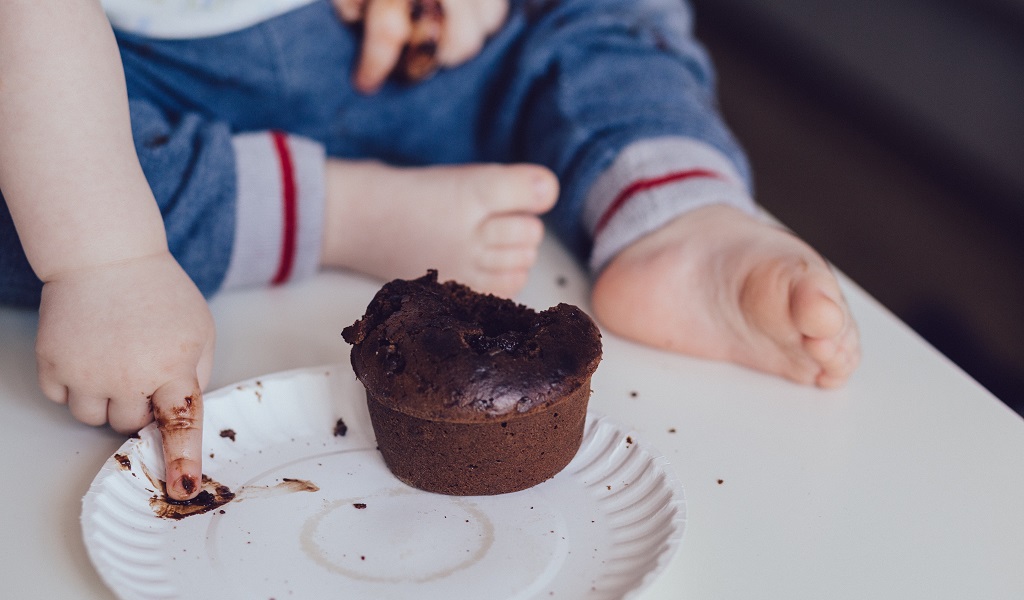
(92,531)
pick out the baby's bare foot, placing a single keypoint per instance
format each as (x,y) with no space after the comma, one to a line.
(476,224)
(720,284)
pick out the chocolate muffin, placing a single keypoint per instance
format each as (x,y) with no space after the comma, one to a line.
(471,394)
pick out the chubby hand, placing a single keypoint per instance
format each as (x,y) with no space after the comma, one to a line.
(418,36)
(128,342)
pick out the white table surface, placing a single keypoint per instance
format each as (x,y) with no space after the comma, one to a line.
(907,483)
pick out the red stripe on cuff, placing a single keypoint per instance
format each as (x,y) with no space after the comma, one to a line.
(289,204)
(645,184)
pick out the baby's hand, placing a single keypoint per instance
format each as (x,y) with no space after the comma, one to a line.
(421,34)
(125,342)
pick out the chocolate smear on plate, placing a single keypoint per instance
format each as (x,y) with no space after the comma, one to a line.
(213,495)
(124,461)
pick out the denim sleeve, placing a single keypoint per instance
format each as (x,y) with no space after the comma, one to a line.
(593,76)
(189,164)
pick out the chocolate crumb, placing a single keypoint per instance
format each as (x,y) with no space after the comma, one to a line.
(629,439)
(672,430)
(340,428)
(359,505)
(721,481)
(228,433)
(124,461)
(634,394)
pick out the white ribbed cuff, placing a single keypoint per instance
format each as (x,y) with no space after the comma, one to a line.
(651,182)
(279,209)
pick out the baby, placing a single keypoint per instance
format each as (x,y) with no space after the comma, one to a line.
(262,140)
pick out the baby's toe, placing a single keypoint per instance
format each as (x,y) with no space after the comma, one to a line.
(502,283)
(817,307)
(512,258)
(836,373)
(512,230)
(838,357)
(521,188)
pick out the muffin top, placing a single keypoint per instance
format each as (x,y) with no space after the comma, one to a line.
(441,351)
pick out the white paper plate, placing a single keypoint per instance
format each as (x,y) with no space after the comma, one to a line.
(318,515)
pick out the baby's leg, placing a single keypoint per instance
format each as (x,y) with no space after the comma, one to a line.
(720,284)
(477,224)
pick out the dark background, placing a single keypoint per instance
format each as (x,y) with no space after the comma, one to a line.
(890,135)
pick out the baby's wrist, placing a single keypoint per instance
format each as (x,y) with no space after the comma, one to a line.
(94,235)
(85,268)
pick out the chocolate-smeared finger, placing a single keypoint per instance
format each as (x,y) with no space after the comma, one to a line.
(419,57)
(178,410)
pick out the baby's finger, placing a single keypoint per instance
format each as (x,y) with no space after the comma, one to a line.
(91,410)
(350,11)
(52,389)
(50,381)
(205,366)
(386,28)
(461,41)
(178,410)
(128,415)
(467,26)
(419,58)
